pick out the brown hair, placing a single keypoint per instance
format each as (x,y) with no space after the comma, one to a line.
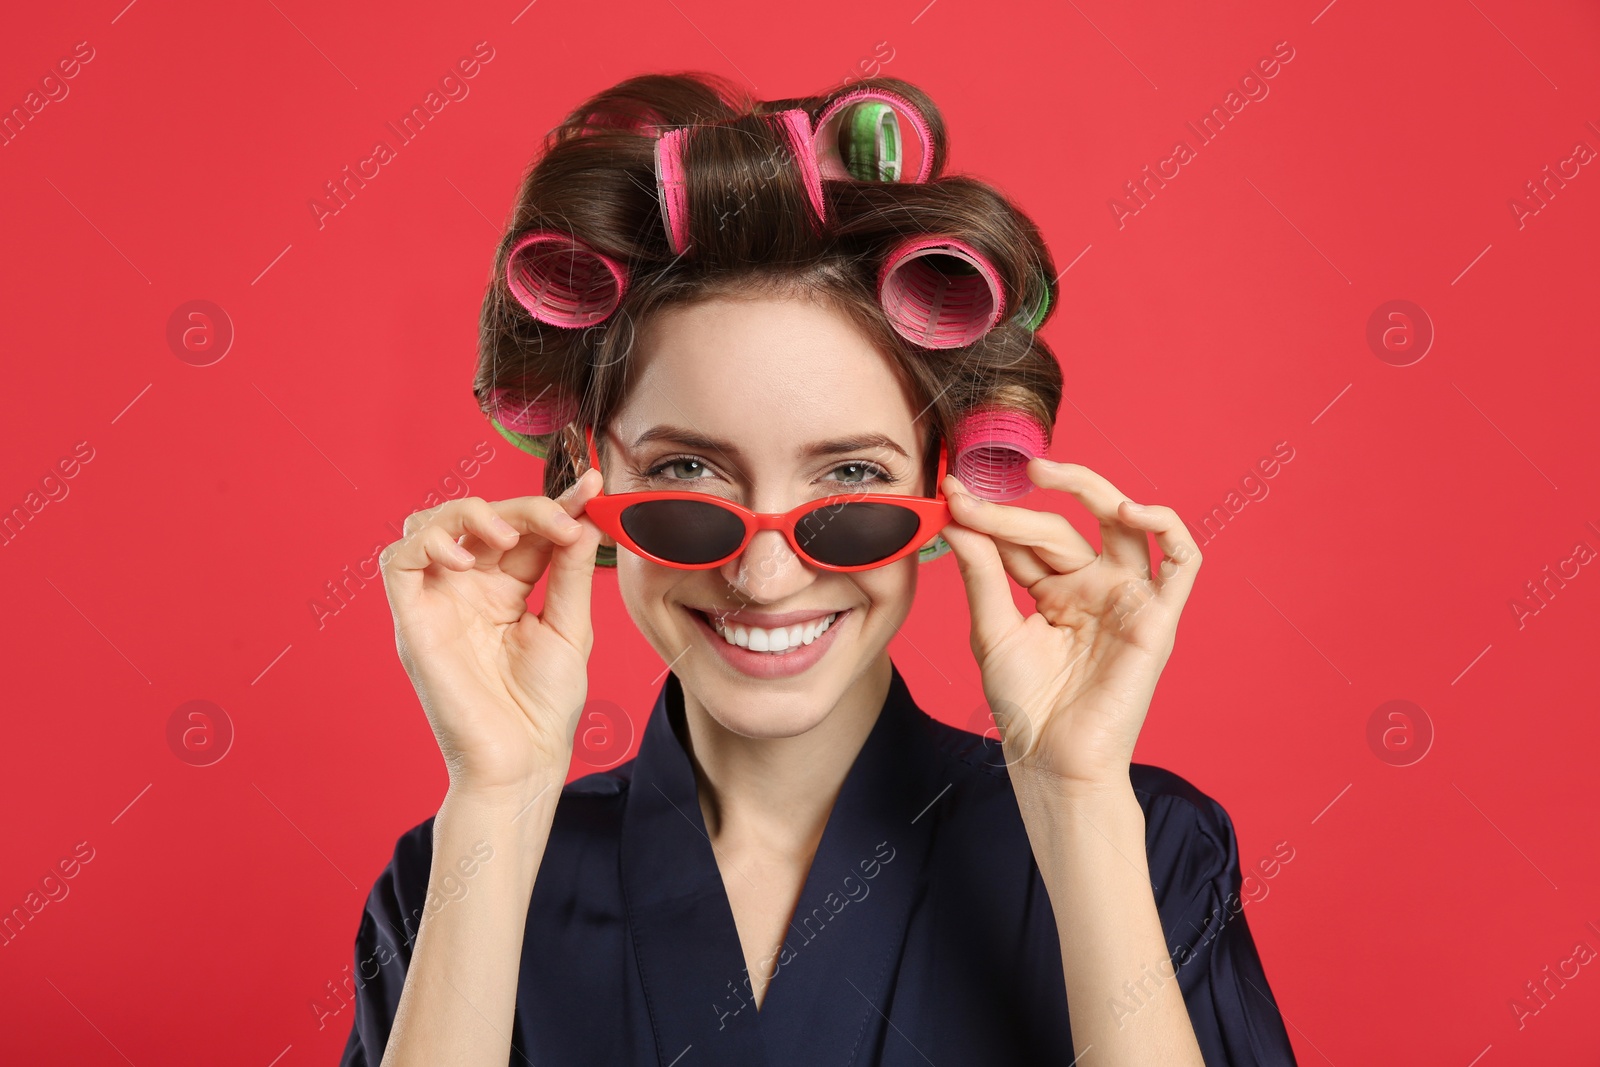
(751,231)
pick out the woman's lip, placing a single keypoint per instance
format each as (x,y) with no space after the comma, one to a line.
(768,664)
(775,621)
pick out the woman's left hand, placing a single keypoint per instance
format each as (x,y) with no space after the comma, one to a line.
(1070,684)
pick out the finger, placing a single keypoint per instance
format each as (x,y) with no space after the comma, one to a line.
(1051,539)
(568,591)
(1120,544)
(486,534)
(584,489)
(470,521)
(426,547)
(577,497)
(541,524)
(1022,563)
(994,613)
(436,535)
(1181,560)
(418,519)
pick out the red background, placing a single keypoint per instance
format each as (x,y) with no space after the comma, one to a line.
(1227,315)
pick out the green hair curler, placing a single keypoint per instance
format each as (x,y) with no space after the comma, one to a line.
(1038,306)
(872,150)
(531,445)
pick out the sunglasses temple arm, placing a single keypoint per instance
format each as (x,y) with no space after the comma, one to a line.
(594,457)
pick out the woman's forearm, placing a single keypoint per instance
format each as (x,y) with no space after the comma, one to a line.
(1122,992)
(460,988)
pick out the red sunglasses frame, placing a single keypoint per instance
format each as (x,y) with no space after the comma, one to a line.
(933,515)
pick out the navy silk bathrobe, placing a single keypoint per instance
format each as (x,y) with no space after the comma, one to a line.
(923,934)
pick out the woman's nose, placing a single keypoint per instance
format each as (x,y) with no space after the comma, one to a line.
(768,569)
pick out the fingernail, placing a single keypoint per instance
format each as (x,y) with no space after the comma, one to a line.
(501,526)
(1132,506)
(575,483)
(463,555)
(569,524)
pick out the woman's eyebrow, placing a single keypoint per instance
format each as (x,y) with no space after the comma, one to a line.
(832,447)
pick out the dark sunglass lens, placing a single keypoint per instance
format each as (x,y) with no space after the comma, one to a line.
(856,533)
(683,531)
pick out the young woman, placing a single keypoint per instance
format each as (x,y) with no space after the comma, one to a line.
(750,339)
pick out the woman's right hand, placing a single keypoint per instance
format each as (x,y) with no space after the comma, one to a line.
(503,688)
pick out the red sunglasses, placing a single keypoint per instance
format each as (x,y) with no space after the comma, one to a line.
(697,531)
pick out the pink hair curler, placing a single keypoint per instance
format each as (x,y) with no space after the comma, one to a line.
(563,282)
(797,125)
(545,413)
(991,448)
(939,292)
(672,189)
(842,138)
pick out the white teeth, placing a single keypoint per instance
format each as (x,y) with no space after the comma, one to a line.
(757,639)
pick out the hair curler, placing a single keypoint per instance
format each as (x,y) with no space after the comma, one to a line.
(797,128)
(1037,304)
(544,413)
(860,136)
(562,281)
(872,143)
(672,190)
(940,292)
(991,446)
(533,446)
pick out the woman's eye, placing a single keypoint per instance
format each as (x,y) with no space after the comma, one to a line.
(856,473)
(690,469)
(680,465)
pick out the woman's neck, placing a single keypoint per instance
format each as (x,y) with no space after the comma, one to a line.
(780,791)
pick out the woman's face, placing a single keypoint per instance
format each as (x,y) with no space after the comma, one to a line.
(769,402)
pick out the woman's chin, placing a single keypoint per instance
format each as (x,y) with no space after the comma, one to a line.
(752,709)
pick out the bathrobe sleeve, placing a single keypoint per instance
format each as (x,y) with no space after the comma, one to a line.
(1194,860)
(384,941)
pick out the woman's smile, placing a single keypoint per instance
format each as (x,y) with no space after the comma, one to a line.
(790,643)
(772,633)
